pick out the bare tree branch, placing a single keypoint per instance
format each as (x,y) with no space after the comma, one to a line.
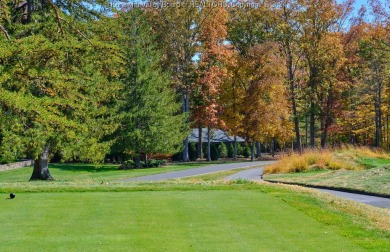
(78,31)
(2,28)
(59,19)
(57,15)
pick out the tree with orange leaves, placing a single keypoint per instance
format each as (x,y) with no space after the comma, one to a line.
(265,107)
(211,68)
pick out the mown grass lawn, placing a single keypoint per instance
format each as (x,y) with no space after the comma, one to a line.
(191,220)
(206,213)
(375,180)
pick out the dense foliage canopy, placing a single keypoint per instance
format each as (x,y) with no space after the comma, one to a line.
(81,79)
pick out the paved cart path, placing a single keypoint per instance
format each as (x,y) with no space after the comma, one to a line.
(256,174)
(367,199)
(250,174)
(198,171)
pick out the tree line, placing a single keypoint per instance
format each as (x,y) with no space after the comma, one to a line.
(81,79)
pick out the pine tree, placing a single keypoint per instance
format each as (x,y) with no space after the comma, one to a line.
(57,81)
(176,29)
(151,119)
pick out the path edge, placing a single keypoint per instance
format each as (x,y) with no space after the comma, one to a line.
(341,189)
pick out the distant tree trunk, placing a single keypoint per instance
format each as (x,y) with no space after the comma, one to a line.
(185,109)
(387,133)
(378,105)
(200,152)
(208,144)
(185,151)
(306,132)
(258,149)
(324,134)
(293,102)
(326,120)
(312,125)
(273,147)
(138,161)
(41,166)
(235,148)
(253,151)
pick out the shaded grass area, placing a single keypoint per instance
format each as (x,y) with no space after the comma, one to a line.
(184,217)
(85,177)
(89,173)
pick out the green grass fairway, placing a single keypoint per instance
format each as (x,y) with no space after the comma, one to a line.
(216,220)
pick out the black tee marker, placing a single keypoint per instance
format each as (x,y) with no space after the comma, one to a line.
(12,195)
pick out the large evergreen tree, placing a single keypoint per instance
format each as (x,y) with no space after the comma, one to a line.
(152,122)
(57,81)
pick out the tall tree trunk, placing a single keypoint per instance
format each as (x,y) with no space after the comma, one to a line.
(41,166)
(258,149)
(253,151)
(306,132)
(387,133)
(273,147)
(208,144)
(138,161)
(29,10)
(324,133)
(312,125)
(200,152)
(293,102)
(377,126)
(235,148)
(378,109)
(327,116)
(185,150)
(185,109)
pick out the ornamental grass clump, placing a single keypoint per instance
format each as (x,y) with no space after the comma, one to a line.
(315,159)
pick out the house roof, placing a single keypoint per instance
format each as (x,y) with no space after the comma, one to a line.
(216,136)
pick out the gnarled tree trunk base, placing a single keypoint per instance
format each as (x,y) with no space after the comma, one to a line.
(41,166)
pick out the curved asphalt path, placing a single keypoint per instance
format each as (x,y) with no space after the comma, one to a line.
(367,199)
(198,171)
(250,174)
(256,174)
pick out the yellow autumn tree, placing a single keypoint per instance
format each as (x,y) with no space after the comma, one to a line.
(255,102)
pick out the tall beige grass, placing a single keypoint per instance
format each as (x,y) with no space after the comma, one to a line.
(346,157)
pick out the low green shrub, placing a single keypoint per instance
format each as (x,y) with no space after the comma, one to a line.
(128,164)
(247,151)
(222,150)
(240,150)
(192,151)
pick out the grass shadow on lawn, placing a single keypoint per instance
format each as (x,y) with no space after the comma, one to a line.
(74,167)
(85,167)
